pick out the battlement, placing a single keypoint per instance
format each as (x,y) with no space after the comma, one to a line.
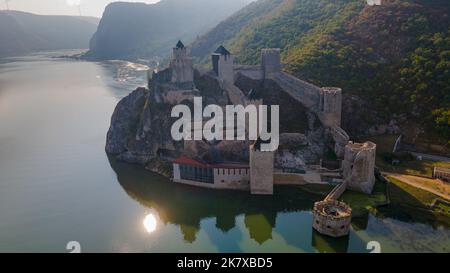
(356,147)
(332,90)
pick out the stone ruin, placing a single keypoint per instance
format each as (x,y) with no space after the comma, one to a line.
(358,166)
(332,218)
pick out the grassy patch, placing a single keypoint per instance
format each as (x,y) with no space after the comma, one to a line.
(414,197)
(405,195)
(410,204)
(416,167)
(385,144)
(361,203)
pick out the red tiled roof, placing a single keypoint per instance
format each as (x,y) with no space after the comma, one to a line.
(184,160)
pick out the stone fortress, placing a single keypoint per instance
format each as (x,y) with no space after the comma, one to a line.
(357,160)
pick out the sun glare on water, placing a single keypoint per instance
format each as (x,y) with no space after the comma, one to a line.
(150,223)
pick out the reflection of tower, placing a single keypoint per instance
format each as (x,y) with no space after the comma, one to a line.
(223,65)
(361,222)
(225,221)
(189,233)
(259,227)
(328,244)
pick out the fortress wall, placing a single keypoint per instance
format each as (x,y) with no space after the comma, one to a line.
(306,93)
(341,139)
(337,192)
(280,178)
(254,74)
(235,94)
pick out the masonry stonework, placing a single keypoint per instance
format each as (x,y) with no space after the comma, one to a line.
(330,106)
(270,62)
(358,166)
(332,218)
(261,170)
(182,65)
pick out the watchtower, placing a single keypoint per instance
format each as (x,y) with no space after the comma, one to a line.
(223,65)
(270,62)
(182,65)
(330,106)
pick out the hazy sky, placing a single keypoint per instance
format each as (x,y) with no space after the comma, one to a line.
(63,7)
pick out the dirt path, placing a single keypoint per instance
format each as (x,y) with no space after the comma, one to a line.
(434,186)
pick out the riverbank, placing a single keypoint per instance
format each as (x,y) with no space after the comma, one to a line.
(403,195)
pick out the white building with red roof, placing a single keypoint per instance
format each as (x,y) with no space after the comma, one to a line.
(189,171)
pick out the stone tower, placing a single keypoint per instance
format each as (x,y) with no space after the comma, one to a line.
(330,106)
(270,62)
(261,170)
(182,66)
(223,65)
(358,166)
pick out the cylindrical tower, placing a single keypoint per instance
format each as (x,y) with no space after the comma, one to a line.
(359,166)
(332,218)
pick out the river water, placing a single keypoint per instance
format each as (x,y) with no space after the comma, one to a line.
(57,185)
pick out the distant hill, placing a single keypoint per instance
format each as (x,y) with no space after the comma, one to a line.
(138,30)
(22,32)
(392,61)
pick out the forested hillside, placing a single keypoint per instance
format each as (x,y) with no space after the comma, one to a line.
(395,58)
(22,32)
(149,31)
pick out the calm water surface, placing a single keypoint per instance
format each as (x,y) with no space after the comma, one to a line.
(57,184)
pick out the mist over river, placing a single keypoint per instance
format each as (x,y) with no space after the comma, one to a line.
(58,185)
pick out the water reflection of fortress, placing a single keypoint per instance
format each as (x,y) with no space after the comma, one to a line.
(186,207)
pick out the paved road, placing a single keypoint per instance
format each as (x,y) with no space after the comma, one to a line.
(431,157)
